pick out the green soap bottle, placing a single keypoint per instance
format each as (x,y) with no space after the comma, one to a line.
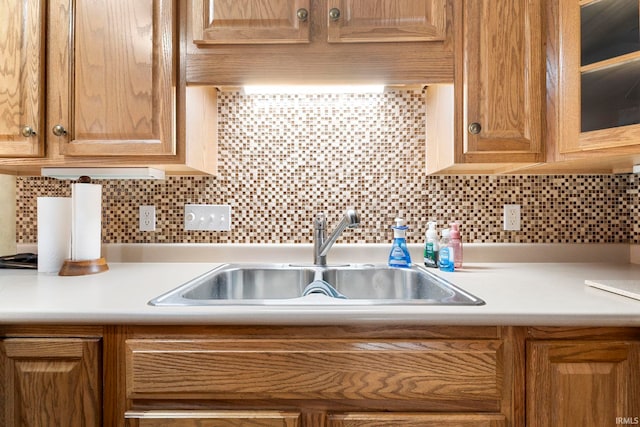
(431,247)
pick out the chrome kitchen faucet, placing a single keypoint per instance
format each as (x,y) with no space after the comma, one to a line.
(322,244)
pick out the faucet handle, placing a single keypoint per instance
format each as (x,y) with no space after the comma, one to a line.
(352,217)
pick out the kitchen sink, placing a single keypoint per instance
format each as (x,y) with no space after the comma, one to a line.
(357,284)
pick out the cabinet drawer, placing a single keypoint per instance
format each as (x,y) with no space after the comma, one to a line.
(457,370)
(416,420)
(212,419)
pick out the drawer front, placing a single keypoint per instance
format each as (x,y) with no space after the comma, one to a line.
(416,420)
(314,369)
(212,419)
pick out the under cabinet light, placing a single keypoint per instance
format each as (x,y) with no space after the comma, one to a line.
(310,90)
(103,173)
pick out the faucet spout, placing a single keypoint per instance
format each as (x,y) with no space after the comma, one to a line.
(321,243)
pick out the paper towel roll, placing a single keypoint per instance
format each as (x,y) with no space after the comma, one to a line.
(54,233)
(86,221)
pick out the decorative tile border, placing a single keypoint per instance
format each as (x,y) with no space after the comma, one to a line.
(284,158)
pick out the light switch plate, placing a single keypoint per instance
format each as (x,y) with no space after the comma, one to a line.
(207,217)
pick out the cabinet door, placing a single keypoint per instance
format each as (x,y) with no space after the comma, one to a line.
(596,66)
(21,78)
(415,420)
(112,80)
(201,418)
(352,21)
(503,81)
(50,382)
(580,383)
(250,21)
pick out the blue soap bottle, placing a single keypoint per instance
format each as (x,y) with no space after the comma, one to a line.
(399,255)
(446,259)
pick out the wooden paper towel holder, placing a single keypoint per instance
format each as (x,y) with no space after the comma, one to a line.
(83,268)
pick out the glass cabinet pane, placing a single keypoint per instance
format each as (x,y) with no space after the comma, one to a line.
(609,28)
(611,96)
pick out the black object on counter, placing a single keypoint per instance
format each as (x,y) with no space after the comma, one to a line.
(26,260)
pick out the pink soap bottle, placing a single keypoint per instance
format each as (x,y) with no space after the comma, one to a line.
(456,243)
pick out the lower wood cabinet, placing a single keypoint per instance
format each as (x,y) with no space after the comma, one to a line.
(292,419)
(318,377)
(212,419)
(582,383)
(50,382)
(333,376)
(416,420)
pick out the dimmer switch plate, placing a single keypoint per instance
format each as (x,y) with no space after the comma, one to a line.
(207,217)
(512,217)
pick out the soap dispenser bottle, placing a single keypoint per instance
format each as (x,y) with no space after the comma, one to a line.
(399,255)
(456,244)
(431,246)
(447,252)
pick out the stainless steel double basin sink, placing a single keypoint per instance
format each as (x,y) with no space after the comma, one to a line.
(285,284)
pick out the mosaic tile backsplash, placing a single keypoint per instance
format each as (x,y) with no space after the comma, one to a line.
(283,158)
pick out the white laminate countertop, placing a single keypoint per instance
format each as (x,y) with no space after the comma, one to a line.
(518,294)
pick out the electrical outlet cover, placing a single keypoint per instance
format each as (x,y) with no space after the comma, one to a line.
(147,218)
(512,217)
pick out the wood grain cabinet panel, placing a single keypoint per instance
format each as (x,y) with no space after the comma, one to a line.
(50,382)
(213,419)
(249,42)
(415,420)
(579,383)
(354,21)
(288,21)
(113,83)
(503,80)
(251,21)
(22,78)
(491,119)
(420,371)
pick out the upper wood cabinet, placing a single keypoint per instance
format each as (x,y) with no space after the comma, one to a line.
(288,21)
(231,43)
(114,97)
(592,87)
(578,383)
(250,21)
(112,82)
(503,80)
(359,21)
(492,118)
(593,68)
(22,78)
(50,382)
